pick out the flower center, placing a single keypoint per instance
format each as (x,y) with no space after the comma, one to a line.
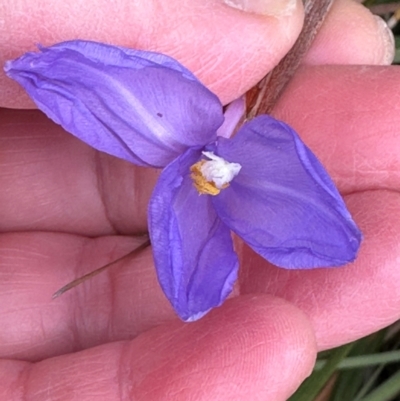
(210,176)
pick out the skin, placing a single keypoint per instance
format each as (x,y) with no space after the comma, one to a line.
(67,209)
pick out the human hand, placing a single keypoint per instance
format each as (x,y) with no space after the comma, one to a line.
(263,344)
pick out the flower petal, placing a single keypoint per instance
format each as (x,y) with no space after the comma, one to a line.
(283,203)
(193,250)
(233,114)
(140,106)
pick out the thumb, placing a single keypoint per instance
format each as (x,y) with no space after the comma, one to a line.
(252,348)
(229,44)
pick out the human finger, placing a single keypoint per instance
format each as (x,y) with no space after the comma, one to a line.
(350,124)
(355,300)
(347,115)
(313,124)
(56,183)
(253,347)
(202,35)
(115,305)
(351,34)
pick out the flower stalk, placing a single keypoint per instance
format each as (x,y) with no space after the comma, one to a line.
(263,97)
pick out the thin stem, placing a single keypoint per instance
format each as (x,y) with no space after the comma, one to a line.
(93,273)
(272,86)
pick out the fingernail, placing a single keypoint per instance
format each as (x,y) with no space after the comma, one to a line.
(387,39)
(277,8)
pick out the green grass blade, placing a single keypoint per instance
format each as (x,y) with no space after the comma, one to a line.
(362,361)
(349,381)
(315,383)
(386,391)
(397,53)
(369,383)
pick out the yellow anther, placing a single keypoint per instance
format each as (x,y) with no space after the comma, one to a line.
(203,186)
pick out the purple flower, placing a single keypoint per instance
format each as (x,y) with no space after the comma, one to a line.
(263,184)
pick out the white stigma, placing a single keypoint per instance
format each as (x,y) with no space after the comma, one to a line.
(218,170)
